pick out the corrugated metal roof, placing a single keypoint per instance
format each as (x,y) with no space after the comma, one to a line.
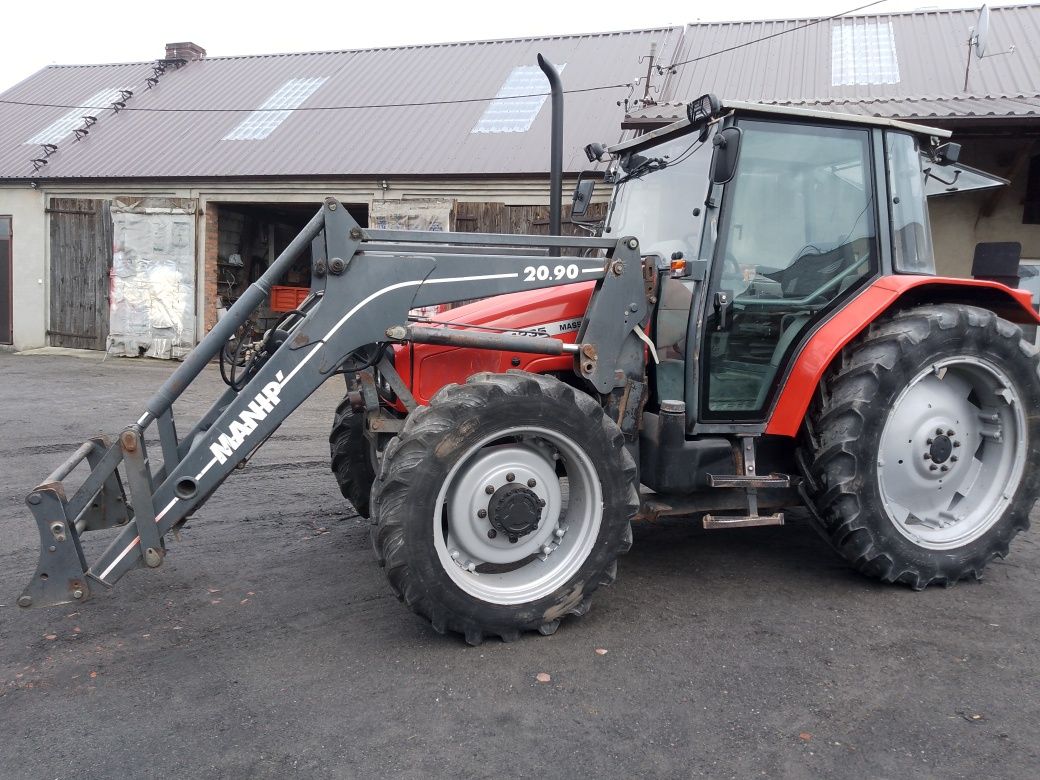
(423,140)
(804,67)
(907,65)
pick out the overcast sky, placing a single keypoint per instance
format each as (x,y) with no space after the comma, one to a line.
(36,34)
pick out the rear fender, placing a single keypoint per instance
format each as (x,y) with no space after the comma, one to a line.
(888,292)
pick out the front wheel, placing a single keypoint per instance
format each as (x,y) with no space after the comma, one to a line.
(354,460)
(921,445)
(503,505)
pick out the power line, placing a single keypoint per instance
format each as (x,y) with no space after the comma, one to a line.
(416,104)
(772,35)
(426,103)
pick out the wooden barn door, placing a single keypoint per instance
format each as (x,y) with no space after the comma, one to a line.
(81,258)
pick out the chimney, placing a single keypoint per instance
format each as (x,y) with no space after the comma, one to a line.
(184,51)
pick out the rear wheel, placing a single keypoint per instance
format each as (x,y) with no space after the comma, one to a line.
(920,445)
(503,505)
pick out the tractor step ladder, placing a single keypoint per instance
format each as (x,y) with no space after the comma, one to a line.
(750,482)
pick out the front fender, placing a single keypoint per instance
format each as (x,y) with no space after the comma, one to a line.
(884,294)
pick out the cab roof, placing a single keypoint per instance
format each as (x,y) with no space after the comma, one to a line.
(742,108)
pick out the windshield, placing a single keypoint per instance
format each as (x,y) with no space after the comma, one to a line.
(656,204)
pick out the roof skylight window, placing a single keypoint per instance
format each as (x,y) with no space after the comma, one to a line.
(863,53)
(275,110)
(510,114)
(64,125)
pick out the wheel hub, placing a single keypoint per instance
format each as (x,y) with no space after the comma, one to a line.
(496,514)
(941,448)
(503,531)
(951,452)
(515,510)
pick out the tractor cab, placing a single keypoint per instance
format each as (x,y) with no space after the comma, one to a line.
(763,221)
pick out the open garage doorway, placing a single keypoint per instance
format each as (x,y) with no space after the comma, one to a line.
(249,237)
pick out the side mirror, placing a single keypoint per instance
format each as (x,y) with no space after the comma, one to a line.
(948,153)
(727,150)
(596,153)
(583,194)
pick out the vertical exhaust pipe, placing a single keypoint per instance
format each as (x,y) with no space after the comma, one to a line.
(555,148)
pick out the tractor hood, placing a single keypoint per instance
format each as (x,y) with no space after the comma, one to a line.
(535,310)
(556,311)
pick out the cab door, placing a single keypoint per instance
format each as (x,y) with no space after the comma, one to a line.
(797,235)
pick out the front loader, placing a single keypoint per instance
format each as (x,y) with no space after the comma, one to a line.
(757,326)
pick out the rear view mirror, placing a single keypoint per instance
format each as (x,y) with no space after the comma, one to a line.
(727,149)
(583,195)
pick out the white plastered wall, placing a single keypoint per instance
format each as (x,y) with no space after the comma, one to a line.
(27,207)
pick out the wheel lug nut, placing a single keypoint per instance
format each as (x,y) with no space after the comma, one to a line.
(950,432)
(953,458)
(531,483)
(510,476)
(944,468)
(481,513)
(489,489)
(927,456)
(938,431)
(513,539)
(541,502)
(492,533)
(933,467)
(956,444)
(546,549)
(928,441)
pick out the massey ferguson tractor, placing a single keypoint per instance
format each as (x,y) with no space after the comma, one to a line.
(757,326)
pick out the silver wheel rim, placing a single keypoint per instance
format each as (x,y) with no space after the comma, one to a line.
(952,453)
(492,568)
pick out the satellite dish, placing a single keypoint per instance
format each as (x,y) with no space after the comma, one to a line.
(977,41)
(981,32)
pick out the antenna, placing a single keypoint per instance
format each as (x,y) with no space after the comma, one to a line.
(977,37)
(649,70)
(981,31)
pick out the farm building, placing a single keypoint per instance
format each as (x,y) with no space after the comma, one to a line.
(137,198)
(201,169)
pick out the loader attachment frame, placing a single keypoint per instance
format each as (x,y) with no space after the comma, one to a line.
(364,282)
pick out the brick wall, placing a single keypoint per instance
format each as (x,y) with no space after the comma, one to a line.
(209,268)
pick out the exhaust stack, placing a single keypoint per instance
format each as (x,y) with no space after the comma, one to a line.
(555,148)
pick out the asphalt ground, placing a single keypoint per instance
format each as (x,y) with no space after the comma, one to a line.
(269,644)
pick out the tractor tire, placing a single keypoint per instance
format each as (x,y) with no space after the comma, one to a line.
(503,505)
(353,462)
(919,445)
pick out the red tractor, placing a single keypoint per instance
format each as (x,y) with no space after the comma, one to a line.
(757,326)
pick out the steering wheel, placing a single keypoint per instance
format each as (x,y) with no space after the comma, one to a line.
(811,299)
(731,269)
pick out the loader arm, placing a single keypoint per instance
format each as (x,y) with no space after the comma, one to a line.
(364,282)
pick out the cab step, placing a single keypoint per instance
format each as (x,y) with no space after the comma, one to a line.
(737,521)
(749,481)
